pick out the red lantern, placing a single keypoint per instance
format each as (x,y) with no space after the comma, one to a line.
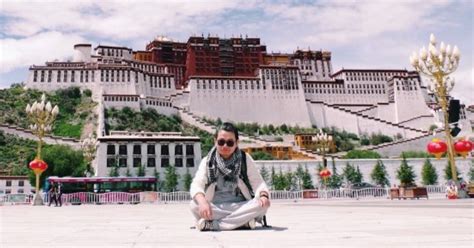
(325,173)
(463,147)
(437,147)
(38,166)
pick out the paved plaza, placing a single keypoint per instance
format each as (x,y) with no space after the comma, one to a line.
(308,223)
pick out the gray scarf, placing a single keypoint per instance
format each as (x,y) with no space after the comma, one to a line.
(229,168)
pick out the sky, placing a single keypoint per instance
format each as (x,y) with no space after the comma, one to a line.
(364,34)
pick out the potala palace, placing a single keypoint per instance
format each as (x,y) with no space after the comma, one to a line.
(236,79)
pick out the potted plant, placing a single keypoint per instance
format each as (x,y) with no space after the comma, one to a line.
(408,188)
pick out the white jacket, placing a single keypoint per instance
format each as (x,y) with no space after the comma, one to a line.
(200,180)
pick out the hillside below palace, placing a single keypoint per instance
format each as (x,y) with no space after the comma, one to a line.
(236,79)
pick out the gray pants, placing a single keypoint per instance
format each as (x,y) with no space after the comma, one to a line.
(229,216)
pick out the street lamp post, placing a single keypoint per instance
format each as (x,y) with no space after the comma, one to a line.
(324,144)
(437,65)
(42,116)
(89,148)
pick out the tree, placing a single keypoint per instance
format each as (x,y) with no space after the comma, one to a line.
(141,171)
(299,174)
(448,175)
(307,181)
(264,173)
(273,177)
(290,180)
(471,172)
(284,128)
(379,174)
(69,163)
(128,173)
(335,180)
(280,182)
(358,176)
(113,172)
(351,174)
(156,174)
(428,173)
(171,179)
(187,180)
(405,174)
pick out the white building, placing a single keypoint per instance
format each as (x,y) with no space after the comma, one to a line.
(303,92)
(153,151)
(15,185)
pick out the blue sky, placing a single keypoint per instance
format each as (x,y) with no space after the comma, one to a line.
(366,34)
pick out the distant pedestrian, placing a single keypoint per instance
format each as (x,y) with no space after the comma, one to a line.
(59,194)
(52,194)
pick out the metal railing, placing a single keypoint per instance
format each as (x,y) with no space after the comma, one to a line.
(434,192)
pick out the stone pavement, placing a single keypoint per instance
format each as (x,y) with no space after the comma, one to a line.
(308,223)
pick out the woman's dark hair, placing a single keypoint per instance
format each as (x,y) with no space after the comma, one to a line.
(228,127)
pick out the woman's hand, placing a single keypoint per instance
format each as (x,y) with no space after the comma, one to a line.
(264,200)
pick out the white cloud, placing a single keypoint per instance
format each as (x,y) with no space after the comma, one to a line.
(464,87)
(336,23)
(37,49)
(111,19)
(364,34)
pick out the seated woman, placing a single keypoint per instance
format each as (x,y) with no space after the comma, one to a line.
(228,191)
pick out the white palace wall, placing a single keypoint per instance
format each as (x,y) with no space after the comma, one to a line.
(385,112)
(265,106)
(353,123)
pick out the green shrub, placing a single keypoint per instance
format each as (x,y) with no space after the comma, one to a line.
(377,139)
(364,141)
(428,173)
(471,172)
(379,174)
(414,154)
(352,174)
(355,154)
(448,175)
(260,155)
(405,174)
(88,92)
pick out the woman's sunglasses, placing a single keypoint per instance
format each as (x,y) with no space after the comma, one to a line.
(229,143)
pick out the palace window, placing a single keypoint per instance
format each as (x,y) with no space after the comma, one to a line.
(151,162)
(190,162)
(137,162)
(189,150)
(178,162)
(123,149)
(150,149)
(164,150)
(110,149)
(165,162)
(111,162)
(178,149)
(137,149)
(122,162)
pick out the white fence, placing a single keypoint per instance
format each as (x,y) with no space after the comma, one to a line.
(434,192)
